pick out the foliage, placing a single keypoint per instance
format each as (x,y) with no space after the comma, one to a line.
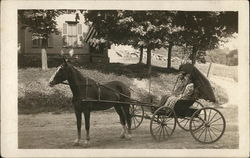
(150,29)
(34,94)
(204,30)
(137,28)
(232,58)
(220,94)
(156,29)
(224,56)
(41,22)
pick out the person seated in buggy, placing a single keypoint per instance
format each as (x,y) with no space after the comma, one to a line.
(190,86)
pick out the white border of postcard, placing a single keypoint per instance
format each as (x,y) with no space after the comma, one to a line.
(9,77)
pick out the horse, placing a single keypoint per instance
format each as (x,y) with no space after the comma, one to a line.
(83,87)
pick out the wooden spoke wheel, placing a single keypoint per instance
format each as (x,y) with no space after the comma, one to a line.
(163,123)
(137,115)
(184,122)
(207,125)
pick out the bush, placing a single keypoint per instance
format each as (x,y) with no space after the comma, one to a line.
(34,94)
(220,94)
(35,102)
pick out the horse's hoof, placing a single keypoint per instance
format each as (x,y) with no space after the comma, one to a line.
(129,136)
(86,144)
(76,143)
(122,136)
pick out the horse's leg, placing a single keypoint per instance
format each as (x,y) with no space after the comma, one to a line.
(79,125)
(126,113)
(128,118)
(87,126)
(122,120)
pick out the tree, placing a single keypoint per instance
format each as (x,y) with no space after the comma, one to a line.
(173,36)
(141,55)
(155,29)
(204,30)
(42,24)
(137,28)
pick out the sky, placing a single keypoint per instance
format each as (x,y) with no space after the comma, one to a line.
(232,43)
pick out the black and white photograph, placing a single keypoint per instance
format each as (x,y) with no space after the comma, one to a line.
(138,80)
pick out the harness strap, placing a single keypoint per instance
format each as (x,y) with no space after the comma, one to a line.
(99,91)
(86,89)
(118,94)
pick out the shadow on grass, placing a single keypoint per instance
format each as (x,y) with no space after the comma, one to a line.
(35,102)
(129,70)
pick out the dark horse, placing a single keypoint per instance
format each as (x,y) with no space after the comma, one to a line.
(83,87)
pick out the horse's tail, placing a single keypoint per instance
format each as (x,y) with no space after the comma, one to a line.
(125,92)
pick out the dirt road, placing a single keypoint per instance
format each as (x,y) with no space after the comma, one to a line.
(55,131)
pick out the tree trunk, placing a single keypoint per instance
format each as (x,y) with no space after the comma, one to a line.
(141,55)
(148,56)
(169,55)
(194,53)
(44,55)
(149,68)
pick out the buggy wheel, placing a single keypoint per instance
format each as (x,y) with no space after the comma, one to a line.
(163,123)
(209,127)
(137,115)
(184,122)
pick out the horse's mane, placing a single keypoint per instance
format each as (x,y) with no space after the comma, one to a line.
(77,77)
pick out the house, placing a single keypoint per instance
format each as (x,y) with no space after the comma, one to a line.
(71,39)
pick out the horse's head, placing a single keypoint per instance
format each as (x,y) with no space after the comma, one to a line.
(60,75)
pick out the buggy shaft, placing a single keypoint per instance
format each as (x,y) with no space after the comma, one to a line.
(119,102)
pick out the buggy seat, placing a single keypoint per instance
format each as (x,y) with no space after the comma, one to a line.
(182,108)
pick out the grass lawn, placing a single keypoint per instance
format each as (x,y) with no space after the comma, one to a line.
(34,94)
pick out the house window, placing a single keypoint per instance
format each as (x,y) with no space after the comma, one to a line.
(37,42)
(72,34)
